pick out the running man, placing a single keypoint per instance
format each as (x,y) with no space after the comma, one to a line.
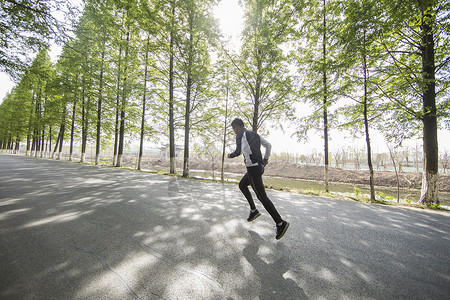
(248,143)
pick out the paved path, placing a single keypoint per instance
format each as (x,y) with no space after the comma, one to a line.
(71,231)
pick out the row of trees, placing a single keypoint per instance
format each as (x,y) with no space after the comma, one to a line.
(159,70)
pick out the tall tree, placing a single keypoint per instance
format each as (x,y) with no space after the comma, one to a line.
(123,103)
(172,29)
(14,115)
(263,65)
(129,12)
(430,143)
(167,66)
(317,58)
(150,22)
(194,64)
(99,108)
(361,53)
(227,91)
(40,73)
(417,43)
(70,70)
(102,22)
(144,105)
(117,104)
(325,96)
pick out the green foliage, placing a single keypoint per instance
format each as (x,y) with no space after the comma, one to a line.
(313,192)
(401,72)
(263,63)
(383,198)
(357,192)
(32,108)
(434,205)
(27,27)
(316,58)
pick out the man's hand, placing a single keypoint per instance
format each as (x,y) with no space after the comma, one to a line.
(229,155)
(265,162)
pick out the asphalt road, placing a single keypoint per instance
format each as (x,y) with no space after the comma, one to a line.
(72,231)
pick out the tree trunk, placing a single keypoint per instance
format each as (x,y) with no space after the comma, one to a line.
(116,126)
(366,127)
(430,143)
(99,112)
(62,131)
(257,96)
(396,173)
(123,107)
(60,135)
(325,100)
(72,128)
(141,145)
(30,122)
(41,155)
(36,137)
(33,143)
(256,109)
(186,127)
(188,101)
(56,144)
(45,140)
(171,100)
(9,147)
(83,122)
(49,151)
(17,146)
(222,175)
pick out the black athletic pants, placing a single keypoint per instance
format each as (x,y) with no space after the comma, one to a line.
(253,177)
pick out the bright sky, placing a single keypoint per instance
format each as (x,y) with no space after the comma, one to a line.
(5,85)
(230,16)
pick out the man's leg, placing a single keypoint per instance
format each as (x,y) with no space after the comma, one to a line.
(243,186)
(255,174)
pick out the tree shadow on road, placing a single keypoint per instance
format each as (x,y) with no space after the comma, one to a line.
(71,231)
(273,283)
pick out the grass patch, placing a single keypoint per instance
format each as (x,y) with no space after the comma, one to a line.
(313,192)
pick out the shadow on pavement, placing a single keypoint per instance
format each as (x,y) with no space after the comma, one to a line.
(271,274)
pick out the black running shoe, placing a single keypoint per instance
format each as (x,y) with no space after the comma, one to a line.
(281,230)
(253,215)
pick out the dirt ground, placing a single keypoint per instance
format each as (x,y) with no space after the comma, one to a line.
(309,172)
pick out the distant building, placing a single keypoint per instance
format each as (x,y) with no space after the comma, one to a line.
(164,151)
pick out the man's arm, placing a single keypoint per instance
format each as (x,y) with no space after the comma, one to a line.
(268,148)
(236,152)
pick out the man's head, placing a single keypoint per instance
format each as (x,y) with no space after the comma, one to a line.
(237,125)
